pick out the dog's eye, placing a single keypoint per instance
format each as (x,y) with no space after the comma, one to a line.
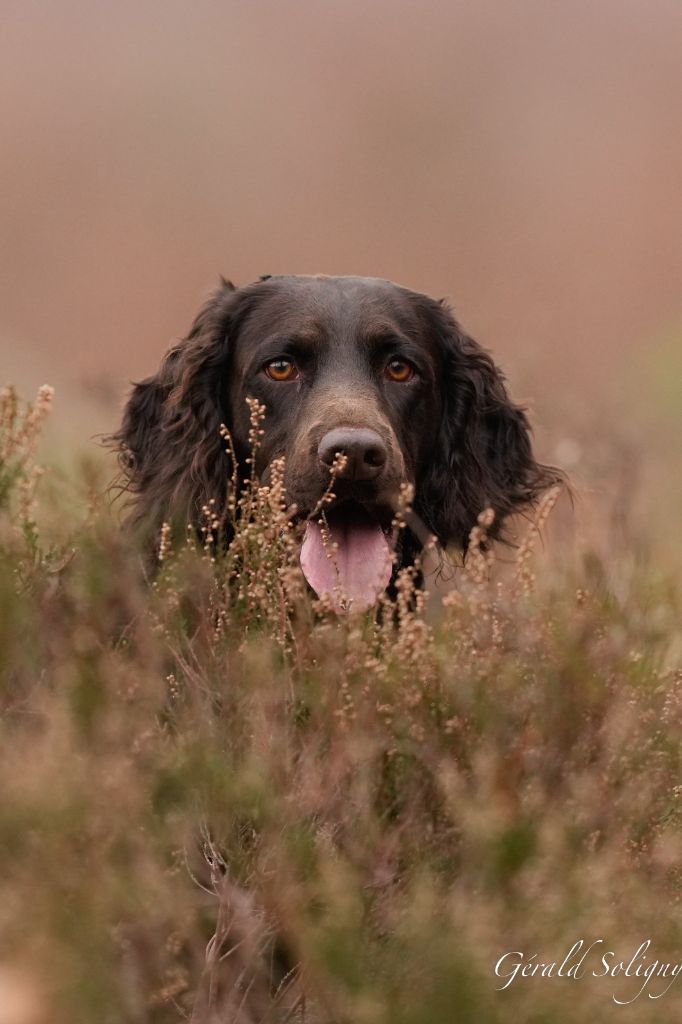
(399,370)
(281,369)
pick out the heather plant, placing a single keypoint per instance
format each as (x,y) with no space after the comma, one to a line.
(20,427)
(224,801)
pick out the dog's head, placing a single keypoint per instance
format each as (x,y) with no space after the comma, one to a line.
(350,365)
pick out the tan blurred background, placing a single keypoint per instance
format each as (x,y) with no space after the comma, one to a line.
(523,157)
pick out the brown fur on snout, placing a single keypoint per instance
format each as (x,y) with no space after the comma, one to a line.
(307,477)
(450,428)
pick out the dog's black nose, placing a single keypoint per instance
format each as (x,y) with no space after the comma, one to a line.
(364,449)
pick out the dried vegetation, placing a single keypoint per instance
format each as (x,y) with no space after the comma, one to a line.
(221,802)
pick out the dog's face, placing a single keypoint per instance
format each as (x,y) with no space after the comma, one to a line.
(350,366)
(342,365)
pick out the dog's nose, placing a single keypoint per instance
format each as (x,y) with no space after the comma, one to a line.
(363,448)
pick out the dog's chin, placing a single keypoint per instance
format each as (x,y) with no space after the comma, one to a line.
(347,552)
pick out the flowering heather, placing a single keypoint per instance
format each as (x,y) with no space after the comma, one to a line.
(224,802)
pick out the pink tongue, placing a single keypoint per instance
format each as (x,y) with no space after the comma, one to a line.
(358,572)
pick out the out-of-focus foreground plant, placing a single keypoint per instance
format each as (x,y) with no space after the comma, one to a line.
(220,802)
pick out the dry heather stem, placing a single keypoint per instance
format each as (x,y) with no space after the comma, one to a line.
(525,578)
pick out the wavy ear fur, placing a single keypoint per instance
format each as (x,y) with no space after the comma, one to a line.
(483,457)
(172,457)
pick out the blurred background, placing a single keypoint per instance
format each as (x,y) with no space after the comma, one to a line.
(522,158)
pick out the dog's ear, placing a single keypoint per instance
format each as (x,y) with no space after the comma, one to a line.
(172,456)
(483,455)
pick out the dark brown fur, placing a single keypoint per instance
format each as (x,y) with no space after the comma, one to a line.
(452,431)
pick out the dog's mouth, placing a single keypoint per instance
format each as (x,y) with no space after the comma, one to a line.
(346,555)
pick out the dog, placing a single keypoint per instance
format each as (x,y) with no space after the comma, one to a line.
(361,379)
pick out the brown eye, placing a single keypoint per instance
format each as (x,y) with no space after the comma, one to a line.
(399,371)
(281,369)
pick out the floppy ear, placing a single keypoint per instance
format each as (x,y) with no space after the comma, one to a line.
(172,456)
(483,456)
